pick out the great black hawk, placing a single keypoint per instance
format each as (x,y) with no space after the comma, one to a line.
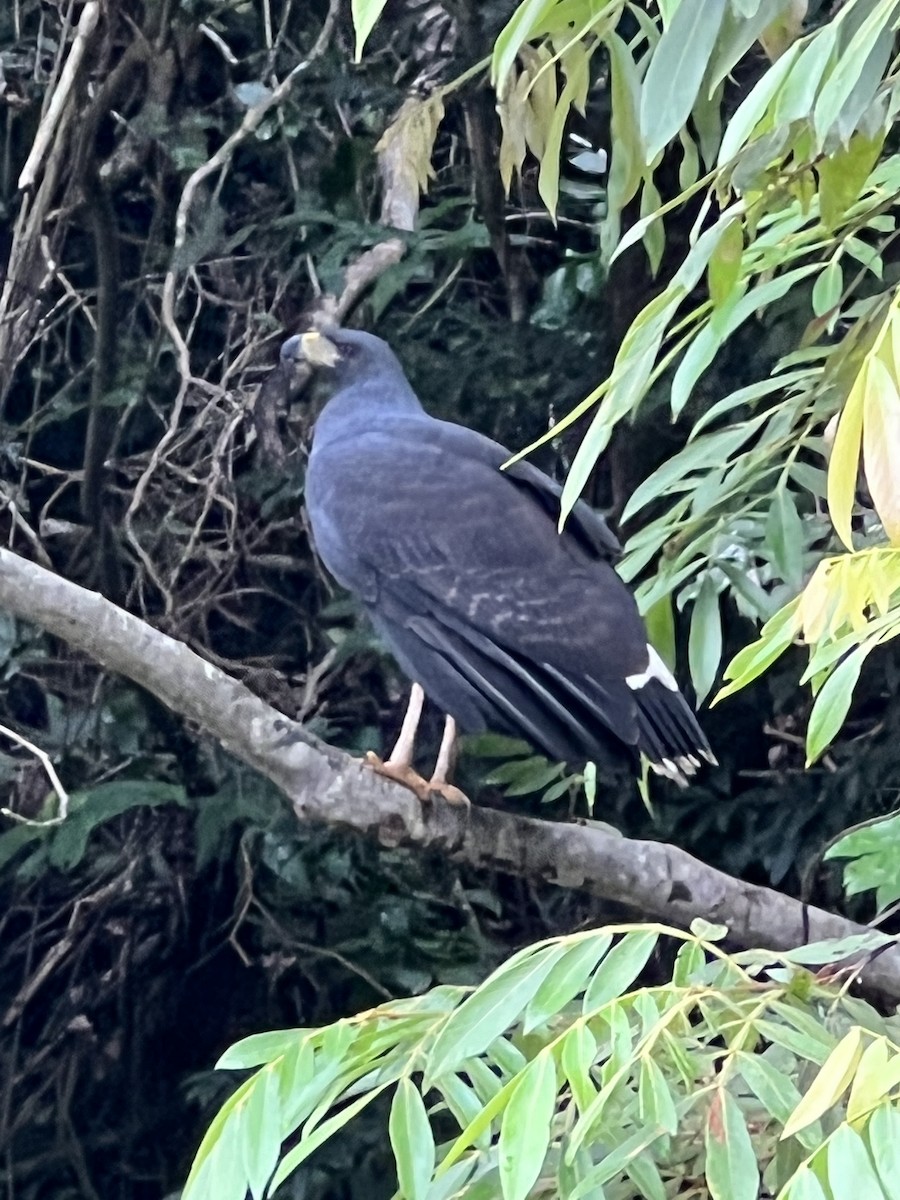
(506,624)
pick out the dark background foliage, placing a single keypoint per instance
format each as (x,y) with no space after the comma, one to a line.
(182,907)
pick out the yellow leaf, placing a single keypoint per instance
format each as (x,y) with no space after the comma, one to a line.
(541,94)
(830,1083)
(877,1075)
(881,447)
(844,465)
(813,613)
(404,155)
(512,112)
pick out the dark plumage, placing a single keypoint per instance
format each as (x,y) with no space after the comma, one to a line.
(506,624)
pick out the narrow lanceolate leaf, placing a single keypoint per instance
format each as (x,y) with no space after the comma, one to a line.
(411,1140)
(655,1103)
(676,71)
(881,446)
(833,702)
(774,1089)
(525,1129)
(491,1009)
(578,1054)
(732,1172)
(725,264)
(828,288)
(803,1186)
(844,465)
(262,1140)
(260,1048)
(569,977)
(752,108)
(309,1144)
(876,1077)
(883,1137)
(365,14)
(705,641)
(620,968)
(576,65)
(222,1132)
(850,1170)
(513,36)
(830,1084)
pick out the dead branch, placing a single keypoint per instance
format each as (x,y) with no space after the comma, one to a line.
(325,785)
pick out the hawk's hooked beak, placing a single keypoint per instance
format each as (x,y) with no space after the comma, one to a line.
(318,350)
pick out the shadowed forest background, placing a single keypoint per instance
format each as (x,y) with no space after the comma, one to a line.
(181,906)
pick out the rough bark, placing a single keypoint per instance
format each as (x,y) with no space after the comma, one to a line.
(324,784)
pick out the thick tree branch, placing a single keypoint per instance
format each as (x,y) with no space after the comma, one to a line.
(326,785)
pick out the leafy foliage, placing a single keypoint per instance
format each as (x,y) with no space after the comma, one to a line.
(558,1076)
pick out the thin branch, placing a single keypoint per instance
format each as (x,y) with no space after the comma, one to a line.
(325,785)
(61,794)
(219,161)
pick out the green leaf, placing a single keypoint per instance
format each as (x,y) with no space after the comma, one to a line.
(219,1135)
(850,1170)
(775,1090)
(869,840)
(579,1053)
(739,31)
(795,99)
(310,1143)
(833,702)
(784,537)
(94,806)
(842,176)
(725,265)
(491,1009)
(834,950)
(525,1128)
(732,1172)
(463,1102)
(260,1048)
(514,34)
(655,1104)
(411,1140)
(365,14)
(569,977)
(751,109)
(644,1173)
(715,447)
(676,71)
(827,290)
(722,324)
(660,622)
(883,1139)
(851,61)
(748,664)
(803,1186)
(705,641)
(626,166)
(262,1130)
(620,968)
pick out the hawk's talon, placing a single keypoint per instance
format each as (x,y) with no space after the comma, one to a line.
(423,788)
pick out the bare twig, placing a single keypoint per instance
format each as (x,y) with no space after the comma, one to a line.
(325,785)
(49,126)
(218,162)
(61,793)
